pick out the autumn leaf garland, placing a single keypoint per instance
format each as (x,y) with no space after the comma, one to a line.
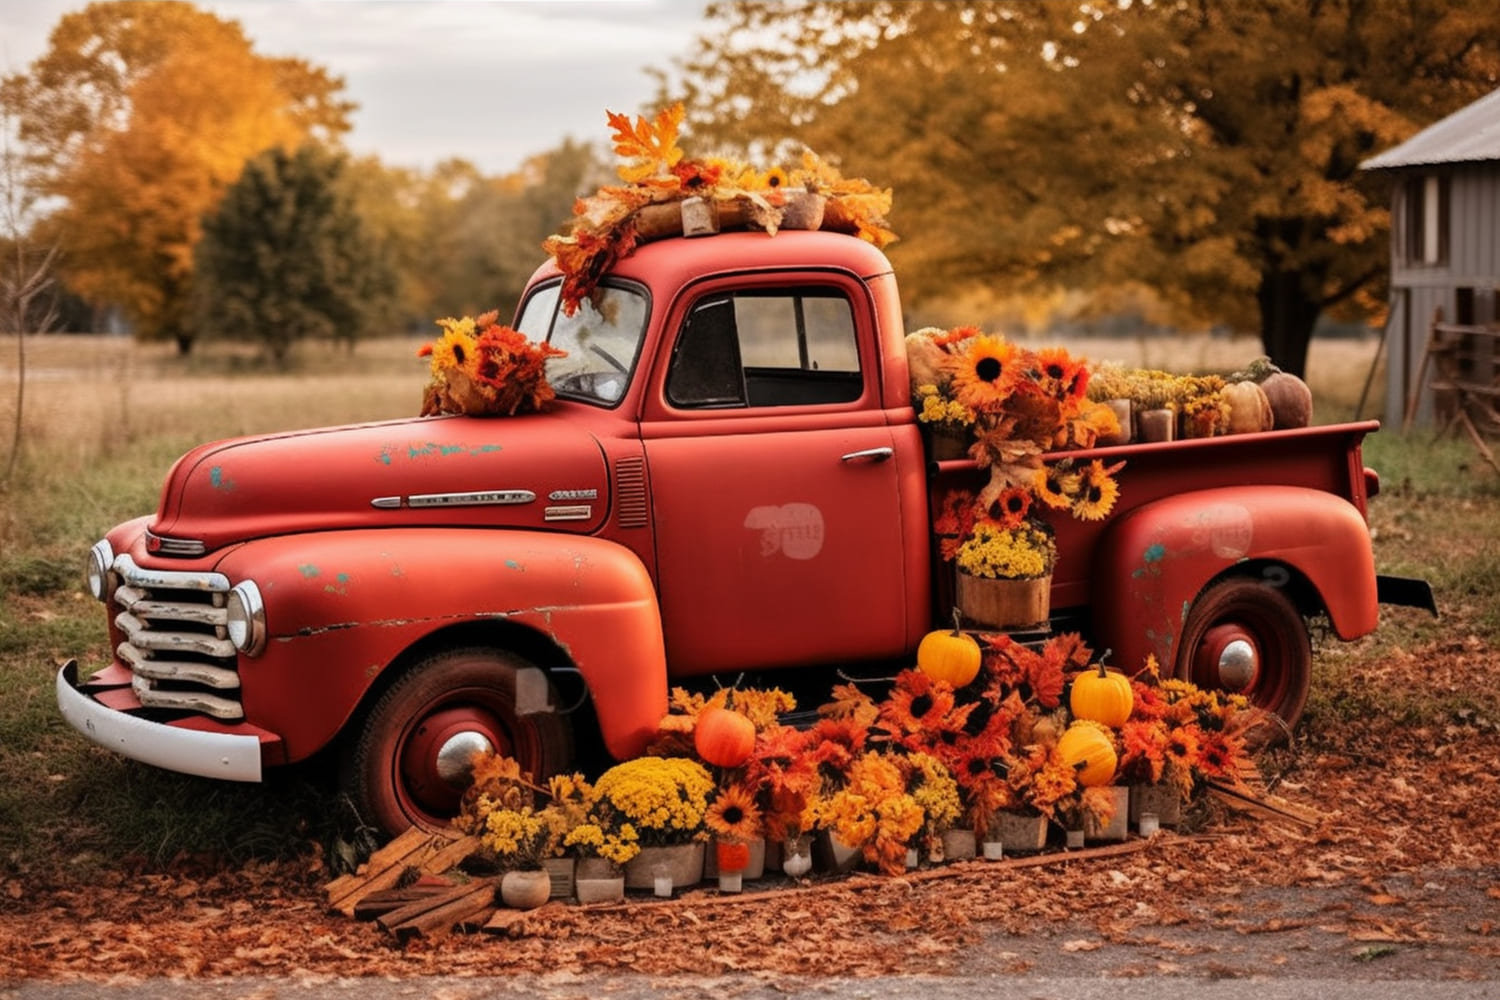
(656,170)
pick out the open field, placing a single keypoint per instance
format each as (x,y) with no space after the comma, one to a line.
(1397,748)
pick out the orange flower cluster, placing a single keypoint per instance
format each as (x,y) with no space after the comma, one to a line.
(1181,735)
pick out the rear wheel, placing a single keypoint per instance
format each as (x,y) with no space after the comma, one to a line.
(409,764)
(1247,637)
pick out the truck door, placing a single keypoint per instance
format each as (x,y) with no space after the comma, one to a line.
(774,484)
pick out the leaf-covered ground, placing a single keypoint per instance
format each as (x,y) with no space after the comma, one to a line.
(1399,879)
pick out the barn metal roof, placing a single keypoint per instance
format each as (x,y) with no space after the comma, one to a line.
(1468,135)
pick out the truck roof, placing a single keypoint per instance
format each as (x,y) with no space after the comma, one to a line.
(676,261)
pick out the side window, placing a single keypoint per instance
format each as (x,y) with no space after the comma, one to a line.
(756,349)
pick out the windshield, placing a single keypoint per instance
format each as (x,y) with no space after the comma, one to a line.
(602,338)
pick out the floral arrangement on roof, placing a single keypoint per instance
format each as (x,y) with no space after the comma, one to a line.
(656,171)
(481,368)
(1014,406)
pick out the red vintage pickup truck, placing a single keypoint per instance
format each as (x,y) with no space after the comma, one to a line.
(732,483)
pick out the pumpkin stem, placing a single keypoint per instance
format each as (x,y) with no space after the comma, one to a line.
(1102,657)
(957,627)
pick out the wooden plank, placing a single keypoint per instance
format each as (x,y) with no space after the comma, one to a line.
(1243,799)
(377,862)
(380,903)
(440,920)
(415,853)
(473,895)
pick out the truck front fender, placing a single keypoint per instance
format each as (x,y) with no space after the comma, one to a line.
(341,607)
(1151,565)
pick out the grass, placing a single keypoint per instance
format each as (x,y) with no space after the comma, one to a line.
(104,419)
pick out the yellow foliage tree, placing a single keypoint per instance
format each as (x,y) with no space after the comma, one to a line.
(145,113)
(1210,151)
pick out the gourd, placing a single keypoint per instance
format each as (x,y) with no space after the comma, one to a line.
(1249,409)
(1105,697)
(723,737)
(1086,747)
(1290,399)
(953,657)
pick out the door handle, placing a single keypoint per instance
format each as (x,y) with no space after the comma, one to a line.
(868,455)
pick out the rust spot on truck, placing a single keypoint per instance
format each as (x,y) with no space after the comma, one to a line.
(433,449)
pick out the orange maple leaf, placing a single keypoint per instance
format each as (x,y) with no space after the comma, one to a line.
(650,146)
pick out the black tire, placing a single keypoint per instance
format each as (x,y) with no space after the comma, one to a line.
(391,772)
(1261,614)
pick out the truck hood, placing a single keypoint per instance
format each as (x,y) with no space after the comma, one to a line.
(533,471)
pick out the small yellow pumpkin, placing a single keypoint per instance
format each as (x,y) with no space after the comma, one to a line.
(1105,697)
(953,657)
(1088,748)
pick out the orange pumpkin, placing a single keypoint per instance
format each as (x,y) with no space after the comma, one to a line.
(1088,748)
(723,737)
(1104,697)
(953,657)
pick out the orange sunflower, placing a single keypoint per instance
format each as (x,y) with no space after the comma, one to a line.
(1097,492)
(984,372)
(734,814)
(1010,507)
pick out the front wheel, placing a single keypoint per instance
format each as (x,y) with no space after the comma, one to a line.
(1247,637)
(409,764)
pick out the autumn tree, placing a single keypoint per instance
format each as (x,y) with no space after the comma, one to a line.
(1209,150)
(285,257)
(140,115)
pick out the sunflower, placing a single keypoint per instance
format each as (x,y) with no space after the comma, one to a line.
(734,814)
(918,704)
(1097,492)
(454,350)
(1010,507)
(773,179)
(984,372)
(1059,375)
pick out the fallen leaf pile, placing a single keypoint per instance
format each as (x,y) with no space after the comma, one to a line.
(1401,865)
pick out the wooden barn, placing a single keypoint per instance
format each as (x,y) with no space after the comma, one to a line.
(1444,323)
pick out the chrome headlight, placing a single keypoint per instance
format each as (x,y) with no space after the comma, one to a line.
(246,618)
(101,561)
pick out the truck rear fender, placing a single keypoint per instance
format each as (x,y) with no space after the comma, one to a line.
(346,609)
(1154,561)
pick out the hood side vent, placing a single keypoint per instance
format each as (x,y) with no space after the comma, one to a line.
(630,493)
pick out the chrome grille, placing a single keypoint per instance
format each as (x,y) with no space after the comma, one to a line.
(176,643)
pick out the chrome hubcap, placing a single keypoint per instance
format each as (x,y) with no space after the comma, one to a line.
(454,757)
(1238,665)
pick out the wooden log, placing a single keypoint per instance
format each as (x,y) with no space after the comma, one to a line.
(379,903)
(385,857)
(1243,799)
(437,914)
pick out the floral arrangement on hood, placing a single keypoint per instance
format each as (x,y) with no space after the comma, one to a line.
(481,368)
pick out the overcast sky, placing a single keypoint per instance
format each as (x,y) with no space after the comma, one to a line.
(492,81)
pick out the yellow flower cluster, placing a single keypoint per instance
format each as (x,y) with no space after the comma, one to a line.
(517,837)
(616,845)
(665,798)
(934,791)
(934,407)
(1024,552)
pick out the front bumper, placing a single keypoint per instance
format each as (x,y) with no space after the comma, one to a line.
(227,756)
